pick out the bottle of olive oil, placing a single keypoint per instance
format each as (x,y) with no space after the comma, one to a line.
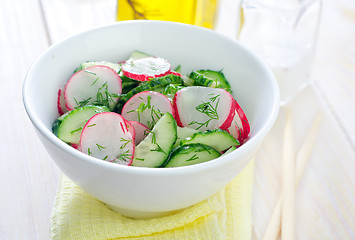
(196,12)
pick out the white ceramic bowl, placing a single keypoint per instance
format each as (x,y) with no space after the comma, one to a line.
(147,192)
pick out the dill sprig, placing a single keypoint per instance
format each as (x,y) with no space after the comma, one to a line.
(83,102)
(126,141)
(209,109)
(76,130)
(123,157)
(154,141)
(194,157)
(100,147)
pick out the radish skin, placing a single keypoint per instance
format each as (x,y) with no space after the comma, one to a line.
(61,102)
(239,127)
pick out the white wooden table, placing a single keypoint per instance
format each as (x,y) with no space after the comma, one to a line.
(325,198)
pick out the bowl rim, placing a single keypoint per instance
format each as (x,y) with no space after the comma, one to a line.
(246,147)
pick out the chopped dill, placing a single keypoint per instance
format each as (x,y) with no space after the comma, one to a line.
(100,147)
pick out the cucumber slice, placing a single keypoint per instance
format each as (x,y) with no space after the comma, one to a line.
(230,150)
(183,133)
(152,85)
(218,139)
(138,55)
(69,126)
(178,69)
(55,127)
(218,76)
(192,154)
(210,78)
(154,150)
(201,80)
(84,65)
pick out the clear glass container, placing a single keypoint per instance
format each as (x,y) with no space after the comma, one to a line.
(283,33)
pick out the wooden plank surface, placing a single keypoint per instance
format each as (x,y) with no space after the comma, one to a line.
(28,177)
(335,64)
(65,18)
(326,194)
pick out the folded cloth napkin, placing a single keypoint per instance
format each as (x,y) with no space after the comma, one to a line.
(226,215)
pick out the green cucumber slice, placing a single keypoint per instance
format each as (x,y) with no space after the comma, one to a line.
(155,84)
(70,126)
(182,134)
(217,139)
(138,54)
(210,78)
(217,76)
(155,149)
(191,154)
(84,65)
(230,150)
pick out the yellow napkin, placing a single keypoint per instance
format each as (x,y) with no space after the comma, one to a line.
(226,215)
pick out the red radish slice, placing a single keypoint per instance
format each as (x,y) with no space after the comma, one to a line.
(175,73)
(204,108)
(236,128)
(244,120)
(131,129)
(61,102)
(74,145)
(240,127)
(141,131)
(147,108)
(106,136)
(96,85)
(143,69)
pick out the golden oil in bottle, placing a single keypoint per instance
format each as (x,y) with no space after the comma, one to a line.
(196,12)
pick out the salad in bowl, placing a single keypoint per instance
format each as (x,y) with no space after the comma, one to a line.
(150,117)
(139,112)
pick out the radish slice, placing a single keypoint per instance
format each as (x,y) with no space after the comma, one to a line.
(204,108)
(175,73)
(97,85)
(141,131)
(245,122)
(236,128)
(239,127)
(106,136)
(61,102)
(131,129)
(74,145)
(147,108)
(143,69)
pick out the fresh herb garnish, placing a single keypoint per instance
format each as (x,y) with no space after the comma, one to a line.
(76,130)
(209,109)
(100,147)
(158,148)
(89,152)
(89,72)
(82,103)
(95,81)
(194,157)
(124,157)
(126,141)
